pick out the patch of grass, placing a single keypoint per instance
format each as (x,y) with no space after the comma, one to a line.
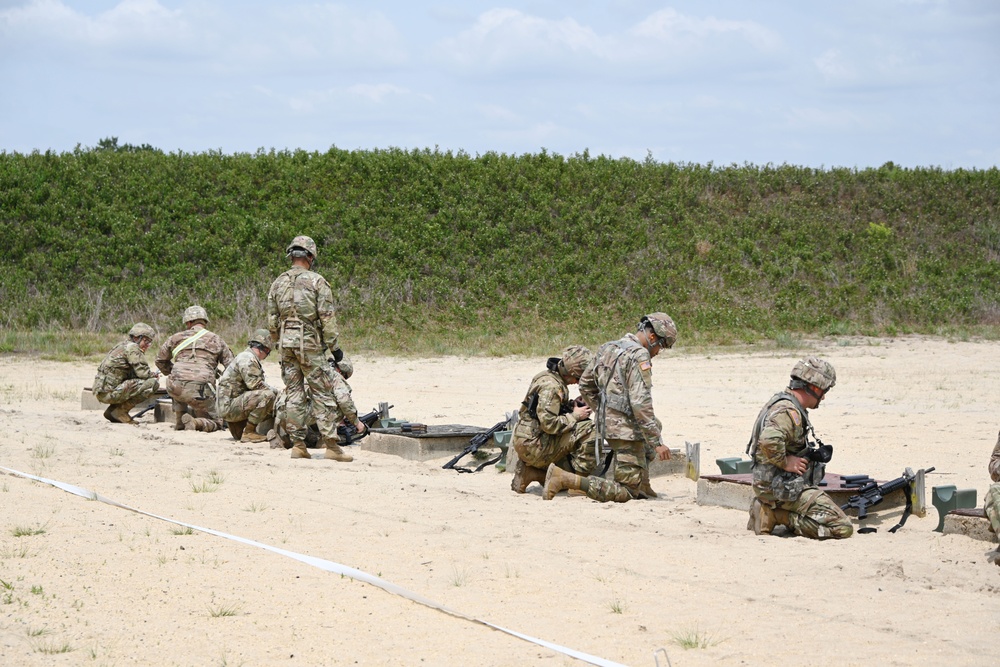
(224,610)
(27,531)
(459,576)
(9,551)
(215,478)
(37,590)
(204,486)
(694,639)
(182,530)
(617,605)
(42,451)
(787,341)
(510,571)
(54,649)
(255,507)
(38,632)
(116,451)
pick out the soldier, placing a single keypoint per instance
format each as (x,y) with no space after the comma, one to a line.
(244,399)
(124,379)
(551,428)
(301,319)
(785,475)
(992,504)
(191,358)
(616,385)
(279,434)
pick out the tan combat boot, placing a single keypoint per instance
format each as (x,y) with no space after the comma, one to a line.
(762,518)
(107,414)
(179,420)
(299,451)
(644,486)
(336,453)
(187,422)
(524,475)
(557,479)
(250,434)
(120,415)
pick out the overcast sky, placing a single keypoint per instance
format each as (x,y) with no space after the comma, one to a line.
(828,83)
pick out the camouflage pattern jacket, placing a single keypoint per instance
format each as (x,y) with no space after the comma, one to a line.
(125,361)
(550,416)
(196,362)
(300,311)
(624,371)
(780,430)
(995,462)
(243,375)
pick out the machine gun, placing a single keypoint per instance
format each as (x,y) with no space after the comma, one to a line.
(872,493)
(348,432)
(146,409)
(475,443)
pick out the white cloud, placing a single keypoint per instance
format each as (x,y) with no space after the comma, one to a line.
(377,92)
(676,29)
(832,66)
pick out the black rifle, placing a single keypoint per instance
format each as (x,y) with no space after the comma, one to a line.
(475,443)
(144,410)
(872,493)
(348,432)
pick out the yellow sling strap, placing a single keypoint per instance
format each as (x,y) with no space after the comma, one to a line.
(187,342)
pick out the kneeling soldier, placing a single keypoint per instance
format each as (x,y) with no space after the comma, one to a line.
(124,379)
(550,427)
(244,399)
(785,477)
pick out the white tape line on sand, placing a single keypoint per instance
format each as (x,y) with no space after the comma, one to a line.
(327,565)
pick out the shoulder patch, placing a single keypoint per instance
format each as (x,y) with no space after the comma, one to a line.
(645,365)
(796,417)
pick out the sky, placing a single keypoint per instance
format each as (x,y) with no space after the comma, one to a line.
(818,83)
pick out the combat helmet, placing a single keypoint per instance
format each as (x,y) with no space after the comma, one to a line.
(814,371)
(574,359)
(142,330)
(262,337)
(192,313)
(663,327)
(300,247)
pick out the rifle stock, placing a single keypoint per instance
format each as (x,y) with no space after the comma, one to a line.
(349,432)
(872,493)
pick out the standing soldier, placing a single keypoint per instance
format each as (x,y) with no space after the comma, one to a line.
(992,504)
(191,358)
(301,319)
(244,398)
(551,428)
(124,379)
(785,476)
(617,385)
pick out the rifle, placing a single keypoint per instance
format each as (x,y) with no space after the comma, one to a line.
(872,493)
(475,443)
(144,410)
(348,432)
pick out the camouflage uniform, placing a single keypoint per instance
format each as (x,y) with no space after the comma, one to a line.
(547,431)
(992,504)
(301,319)
(192,371)
(243,395)
(624,368)
(780,430)
(124,376)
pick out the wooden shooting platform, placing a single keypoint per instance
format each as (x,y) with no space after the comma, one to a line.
(736,492)
(439,441)
(971,522)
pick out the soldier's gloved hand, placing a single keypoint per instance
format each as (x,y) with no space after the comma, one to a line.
(338,354)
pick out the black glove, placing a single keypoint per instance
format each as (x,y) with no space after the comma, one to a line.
(338,354)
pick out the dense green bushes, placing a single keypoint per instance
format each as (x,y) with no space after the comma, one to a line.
(423,243)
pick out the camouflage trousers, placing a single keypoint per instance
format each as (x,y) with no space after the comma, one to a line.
(576,446)
(253,406)
(630,458)
(130,391)
(308,368)
(992,507)
(199,396)
(817,516)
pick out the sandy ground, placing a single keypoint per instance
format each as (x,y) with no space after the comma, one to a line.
(112,587)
